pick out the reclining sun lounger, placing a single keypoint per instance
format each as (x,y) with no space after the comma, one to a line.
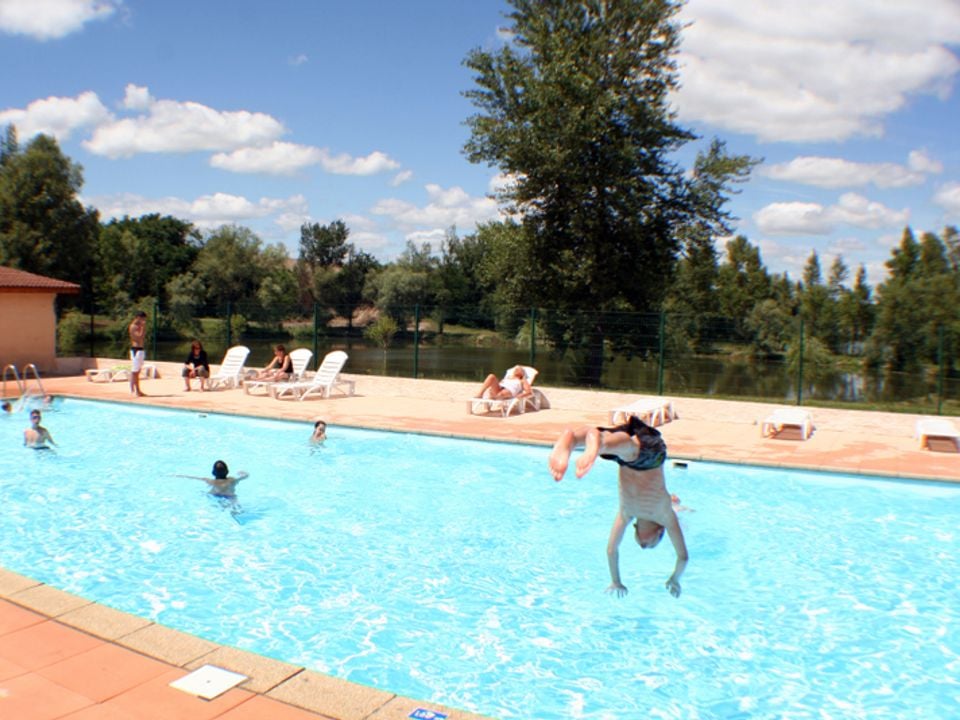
(505,406)
(936,427)
(652,410)
(324,382)
(299,358)
(788,417)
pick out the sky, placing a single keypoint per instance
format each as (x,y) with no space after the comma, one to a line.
(273,114)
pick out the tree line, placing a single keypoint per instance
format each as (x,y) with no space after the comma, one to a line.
(603,224)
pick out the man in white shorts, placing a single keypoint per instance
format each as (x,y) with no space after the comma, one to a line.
(138,336)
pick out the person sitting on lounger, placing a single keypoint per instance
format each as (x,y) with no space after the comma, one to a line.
(640,452)
(196,366)
(280,368)
(515,384)
(37,436)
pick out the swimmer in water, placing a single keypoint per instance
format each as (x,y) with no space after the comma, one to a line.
(223,486)
(37,436)
(319,432)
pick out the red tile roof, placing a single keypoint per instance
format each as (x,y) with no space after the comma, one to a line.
(19,281)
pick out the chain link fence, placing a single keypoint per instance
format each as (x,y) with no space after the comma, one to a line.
(647,353)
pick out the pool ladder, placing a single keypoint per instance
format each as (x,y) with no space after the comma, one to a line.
(23,390)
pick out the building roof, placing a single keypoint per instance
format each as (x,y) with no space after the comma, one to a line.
(19,281)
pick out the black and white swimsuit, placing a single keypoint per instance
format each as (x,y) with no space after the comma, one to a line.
(653,450)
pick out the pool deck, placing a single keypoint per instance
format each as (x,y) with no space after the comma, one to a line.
(63,657)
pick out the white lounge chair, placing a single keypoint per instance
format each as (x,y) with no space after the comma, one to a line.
(324,382)
(506,406)
(936,427)
(230,374)
(113,374)
(299,360)
(652,410)
(788,417)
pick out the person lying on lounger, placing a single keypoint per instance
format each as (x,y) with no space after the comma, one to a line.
(640,452)
(515,384)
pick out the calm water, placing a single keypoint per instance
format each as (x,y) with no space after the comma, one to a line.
(693,375)
(459,572)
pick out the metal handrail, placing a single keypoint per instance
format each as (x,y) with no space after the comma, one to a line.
(36,376)
(16,376)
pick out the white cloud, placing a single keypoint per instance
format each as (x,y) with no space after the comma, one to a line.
(51,19)
(278,158)
(793,218)
(170,126)
(812,71)
(57,116)
(827,172)
(298,60)
(343,164)
(948,197)
(401,177)
(207,211)
(446,207)
(136,98)
(283,158)
(802,218)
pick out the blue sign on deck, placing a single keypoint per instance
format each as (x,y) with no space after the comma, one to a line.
(424,714)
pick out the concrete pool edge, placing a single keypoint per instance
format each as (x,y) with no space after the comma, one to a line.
(294,685)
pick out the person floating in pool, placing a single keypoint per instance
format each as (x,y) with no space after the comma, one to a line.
(319,432)
(223,486)
(37,436)
(640,452)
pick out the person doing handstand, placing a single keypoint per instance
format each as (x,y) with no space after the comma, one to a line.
(640,452)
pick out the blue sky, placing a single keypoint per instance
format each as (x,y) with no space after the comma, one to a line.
(274,114)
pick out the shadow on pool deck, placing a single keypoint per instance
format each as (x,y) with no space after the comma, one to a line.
(64,657)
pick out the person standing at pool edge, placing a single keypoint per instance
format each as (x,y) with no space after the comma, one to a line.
(640,452)
(138,354)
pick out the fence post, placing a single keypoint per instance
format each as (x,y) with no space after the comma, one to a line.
(416,340)
(663,323)
(533,337)
(316,329)
(800,368)
(93,352)
(940,370)
(229,324)
(156,329)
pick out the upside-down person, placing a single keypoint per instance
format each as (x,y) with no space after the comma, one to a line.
(640,452)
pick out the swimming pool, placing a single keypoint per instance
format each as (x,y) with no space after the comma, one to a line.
(459,572)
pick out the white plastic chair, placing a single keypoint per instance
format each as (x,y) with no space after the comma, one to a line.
(299,360)
(324,382)
(231,369)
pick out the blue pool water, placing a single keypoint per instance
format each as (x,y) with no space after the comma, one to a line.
(459,572)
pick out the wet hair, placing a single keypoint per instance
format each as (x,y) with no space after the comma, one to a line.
(319,423)
(7,407)
(655,541)
(220,470)
(140,313)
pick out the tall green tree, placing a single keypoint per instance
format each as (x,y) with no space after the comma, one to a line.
(409,282)
(229,265)
(138,257)
(742,283)
(323,249)
(576,111)
(43,226)
(898,338)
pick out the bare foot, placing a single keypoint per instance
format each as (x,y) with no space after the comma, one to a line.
(560,455)
(187,389)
